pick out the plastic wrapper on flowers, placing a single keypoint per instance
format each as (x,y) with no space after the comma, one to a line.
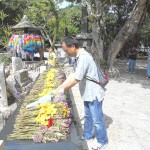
(48,121)
(61,97)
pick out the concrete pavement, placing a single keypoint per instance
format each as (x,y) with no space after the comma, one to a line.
(126,109)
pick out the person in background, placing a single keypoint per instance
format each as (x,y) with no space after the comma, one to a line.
(127,53)
(91,93)
(132,60)
(31,56)
(148,65)
(52,57)
(41,52)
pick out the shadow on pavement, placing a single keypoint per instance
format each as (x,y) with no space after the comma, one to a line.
(138,78)
(108,120)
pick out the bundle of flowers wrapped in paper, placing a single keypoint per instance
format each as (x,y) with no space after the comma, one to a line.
(48,121)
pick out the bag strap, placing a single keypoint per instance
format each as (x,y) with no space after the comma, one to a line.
(90,79)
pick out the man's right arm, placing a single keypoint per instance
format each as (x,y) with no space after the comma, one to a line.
(69,78)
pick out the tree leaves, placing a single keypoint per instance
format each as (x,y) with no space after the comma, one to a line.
(69,18)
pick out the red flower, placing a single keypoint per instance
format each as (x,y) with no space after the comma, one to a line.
(50,122)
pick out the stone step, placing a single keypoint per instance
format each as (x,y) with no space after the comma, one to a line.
(46,146)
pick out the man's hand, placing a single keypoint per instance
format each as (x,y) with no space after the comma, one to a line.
(60,90)
(64,87)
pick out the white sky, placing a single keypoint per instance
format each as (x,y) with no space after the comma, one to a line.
(64,4)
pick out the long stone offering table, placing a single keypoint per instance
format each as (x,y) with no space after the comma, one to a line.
(14,143)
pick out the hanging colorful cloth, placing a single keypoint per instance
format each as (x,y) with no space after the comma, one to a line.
(20,44)
(38,42)
(29,43)
(11,44)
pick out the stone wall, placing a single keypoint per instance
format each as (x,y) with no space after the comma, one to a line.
(3,93)
(19,81)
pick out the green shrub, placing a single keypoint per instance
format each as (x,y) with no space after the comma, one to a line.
(103,64)
(5,58)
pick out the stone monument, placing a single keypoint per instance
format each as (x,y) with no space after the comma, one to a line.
(84,38)
(18,78)
(16,64)
(22,77)
(20,74)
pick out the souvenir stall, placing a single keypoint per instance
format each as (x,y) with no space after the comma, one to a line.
(25,42)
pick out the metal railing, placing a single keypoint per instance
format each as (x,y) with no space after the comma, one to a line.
(144,49)
(33,65)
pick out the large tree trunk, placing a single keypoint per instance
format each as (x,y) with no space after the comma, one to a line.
(97,43)
(97,36)
(84,20)
(44,33)
(127,31)
(56,24)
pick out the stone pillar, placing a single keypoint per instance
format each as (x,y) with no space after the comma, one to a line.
(85,40)
(3,93)
(42,69)
(1,120)
(84,20)
(16,64)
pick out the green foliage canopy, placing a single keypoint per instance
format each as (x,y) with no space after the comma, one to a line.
(70,18)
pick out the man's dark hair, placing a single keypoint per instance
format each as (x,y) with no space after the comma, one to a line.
(69,41)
